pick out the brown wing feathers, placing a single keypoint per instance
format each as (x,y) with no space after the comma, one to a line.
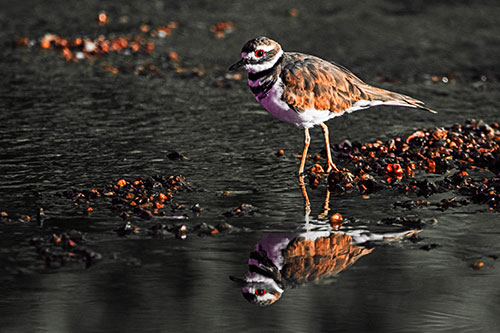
(311,82)
(310,260)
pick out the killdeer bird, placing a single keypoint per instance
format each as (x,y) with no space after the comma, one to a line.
(305,90)
(283,261)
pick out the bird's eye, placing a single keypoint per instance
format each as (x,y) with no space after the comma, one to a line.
(260,292)
(259,53)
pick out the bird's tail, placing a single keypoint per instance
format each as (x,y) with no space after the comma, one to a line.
(391,98)
(412,102)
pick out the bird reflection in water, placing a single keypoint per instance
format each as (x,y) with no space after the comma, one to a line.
(282,261)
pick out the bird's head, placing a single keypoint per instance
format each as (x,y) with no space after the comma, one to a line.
(258,55)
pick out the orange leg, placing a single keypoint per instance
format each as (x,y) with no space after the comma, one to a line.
(326,206)
(307,140)
(331,165)
(307,203)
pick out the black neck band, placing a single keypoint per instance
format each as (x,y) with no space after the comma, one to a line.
(258,75)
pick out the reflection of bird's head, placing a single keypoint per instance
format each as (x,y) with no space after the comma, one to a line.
(258,289)
(263,284)
(262,293)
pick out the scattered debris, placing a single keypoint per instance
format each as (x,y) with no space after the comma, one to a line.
(455,150)
(413,223)
(40,217)
(206,229)
(221,29)
(142,197)
(81,48)
(60,249)
(196,208)
(127,229)
(241,210)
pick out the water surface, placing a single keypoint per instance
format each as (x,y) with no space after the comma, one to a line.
(67,125)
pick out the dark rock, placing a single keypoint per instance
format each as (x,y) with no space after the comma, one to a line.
(429,247)
(241,210)
(413,223)
(127,229)
(173,155)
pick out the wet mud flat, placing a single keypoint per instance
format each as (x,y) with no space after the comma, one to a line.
(138,176)
(467,157)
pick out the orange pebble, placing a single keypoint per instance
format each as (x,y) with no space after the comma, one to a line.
(150,47)
(174,56)
(316,169)
(121,182)
(102,18)
(417,134)
(45,44)
(478,265)
(395,169)
(173,25)
(67,54)
(336,221)
(111,69)
(134,46)
(22,41)
(431,166)
(337,217)
(293,12)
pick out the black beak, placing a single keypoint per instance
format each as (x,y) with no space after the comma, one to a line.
(237,65)
(250,298)
(238,281)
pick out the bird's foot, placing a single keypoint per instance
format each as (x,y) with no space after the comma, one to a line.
(331,166)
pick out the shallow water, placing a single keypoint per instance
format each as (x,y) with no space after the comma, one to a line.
(70,126)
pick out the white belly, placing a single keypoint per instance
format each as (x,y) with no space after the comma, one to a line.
(278,108)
